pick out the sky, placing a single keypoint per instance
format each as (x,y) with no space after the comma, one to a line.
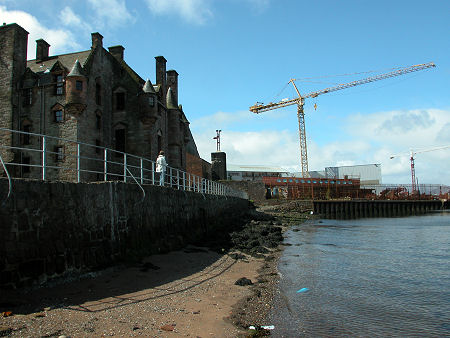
(232,53)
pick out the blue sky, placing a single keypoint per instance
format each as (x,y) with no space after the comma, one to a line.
(232,53)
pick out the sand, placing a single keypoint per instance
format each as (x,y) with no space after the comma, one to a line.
(189,293)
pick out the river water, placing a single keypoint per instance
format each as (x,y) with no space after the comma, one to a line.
(387,277)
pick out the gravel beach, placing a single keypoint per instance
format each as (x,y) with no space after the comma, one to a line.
(191,293)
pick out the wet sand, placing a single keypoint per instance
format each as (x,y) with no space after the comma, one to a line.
(189,293)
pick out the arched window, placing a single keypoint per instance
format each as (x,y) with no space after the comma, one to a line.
(26,128)
(98,92)
(120,138)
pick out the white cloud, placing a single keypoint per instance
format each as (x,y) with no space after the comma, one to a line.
(70,19)
(61,40)
(259,5)
(192,11)
(111,12)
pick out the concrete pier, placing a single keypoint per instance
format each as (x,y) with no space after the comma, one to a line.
(350,209)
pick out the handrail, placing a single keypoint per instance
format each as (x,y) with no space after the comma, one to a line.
(84,162)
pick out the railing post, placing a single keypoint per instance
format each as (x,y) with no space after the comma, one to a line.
(43,158)
(184,181)
(78,162)
(170,177)
(124,167)
(105,164)
(178,179)
(153,173)
(142,171)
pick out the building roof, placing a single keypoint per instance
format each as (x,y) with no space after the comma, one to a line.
(76,69)
(148,87)
(255,168)
(67,60)
(170,100)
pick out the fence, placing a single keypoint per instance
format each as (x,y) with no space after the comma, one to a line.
(38,156)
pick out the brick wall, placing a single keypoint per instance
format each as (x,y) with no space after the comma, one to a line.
(50,229)
(197,166)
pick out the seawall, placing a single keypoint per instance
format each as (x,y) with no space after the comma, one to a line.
(50,229)
(348,209)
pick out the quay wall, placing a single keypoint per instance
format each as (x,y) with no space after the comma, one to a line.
(348,209)
(52,229)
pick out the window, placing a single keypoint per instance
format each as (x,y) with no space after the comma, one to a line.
(326,181)
(27,97)
(120,101)
(349,182)
(58,116)
(59,85)
(120,140)
(303,181)
(98,93)
(308,181)
(278,180)
(285,181)
(98,121)
(59,153)
(79,85)
(151,101)
(290,181)
(159,142)
(332,182)
(26,137)
(26,161)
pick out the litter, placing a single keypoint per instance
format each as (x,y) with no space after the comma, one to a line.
(303,290)
(264,327)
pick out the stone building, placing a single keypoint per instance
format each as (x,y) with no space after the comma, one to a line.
(91,96)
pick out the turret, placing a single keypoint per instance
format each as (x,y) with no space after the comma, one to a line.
(148,102)
(76,87)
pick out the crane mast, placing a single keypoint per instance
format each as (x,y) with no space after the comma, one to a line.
(300,100)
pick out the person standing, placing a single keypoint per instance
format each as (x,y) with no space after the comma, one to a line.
(161,165)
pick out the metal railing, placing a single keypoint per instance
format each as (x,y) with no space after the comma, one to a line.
(50,158)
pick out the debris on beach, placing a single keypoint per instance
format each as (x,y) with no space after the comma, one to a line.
(303,290)
(243,281)
(168,327)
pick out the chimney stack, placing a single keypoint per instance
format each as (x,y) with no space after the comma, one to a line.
(161,74)
(42,48)
(117,52)
(97,40)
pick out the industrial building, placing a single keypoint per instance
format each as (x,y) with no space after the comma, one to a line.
(253,172)
(367,174)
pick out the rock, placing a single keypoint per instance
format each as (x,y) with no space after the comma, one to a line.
(168,327)
(243,281)
(5,331)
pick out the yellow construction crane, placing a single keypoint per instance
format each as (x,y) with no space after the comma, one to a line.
(300,101)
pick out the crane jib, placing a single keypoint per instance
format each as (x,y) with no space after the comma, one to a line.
(260,107)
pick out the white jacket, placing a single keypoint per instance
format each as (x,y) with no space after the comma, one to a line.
(161,163)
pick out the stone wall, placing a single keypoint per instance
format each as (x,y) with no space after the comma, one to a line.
(255,190)
(50,229)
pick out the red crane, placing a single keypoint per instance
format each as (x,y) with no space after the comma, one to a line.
(411,154)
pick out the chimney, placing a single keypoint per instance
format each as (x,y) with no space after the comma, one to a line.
(97,40)
(42,49)
(172,82)
(117,52)
(161,72)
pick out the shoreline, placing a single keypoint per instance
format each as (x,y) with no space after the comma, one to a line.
(190,293)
